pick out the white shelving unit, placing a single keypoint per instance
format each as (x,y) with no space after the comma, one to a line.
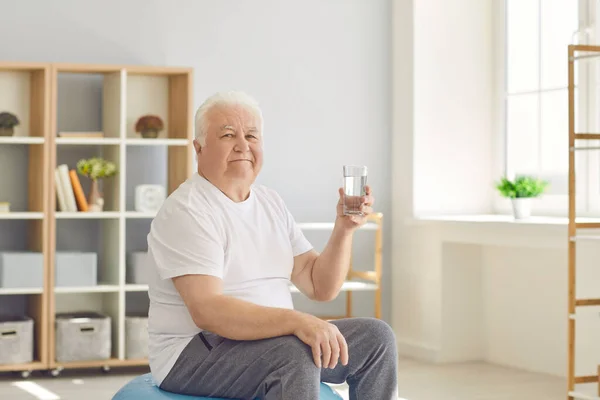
(128,92)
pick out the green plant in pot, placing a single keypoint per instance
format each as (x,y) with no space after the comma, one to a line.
(521,191)
(149,126)
(8,121)
(96,168)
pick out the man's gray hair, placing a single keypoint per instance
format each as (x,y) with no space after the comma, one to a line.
(224,98)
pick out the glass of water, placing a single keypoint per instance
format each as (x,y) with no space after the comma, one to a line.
(355,186)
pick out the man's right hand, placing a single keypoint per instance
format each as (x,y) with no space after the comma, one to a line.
(327,343)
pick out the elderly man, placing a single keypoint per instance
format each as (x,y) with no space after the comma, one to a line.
(223,251)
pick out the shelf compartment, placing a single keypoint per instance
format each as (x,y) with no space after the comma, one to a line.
(25,92)
(108,304)
(25,186)
(22,235)
(138,171)
(110,188)
(166,93)
(136,233)
(100,236)
(135,338)
(35,307)
(89,100)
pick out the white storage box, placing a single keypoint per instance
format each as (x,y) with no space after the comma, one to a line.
(21,270)
(16,340)
(76,269)
(136,337)
(137,267)
(83,337)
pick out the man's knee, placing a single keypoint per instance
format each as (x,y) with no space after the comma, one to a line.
(379,331)
(299,358)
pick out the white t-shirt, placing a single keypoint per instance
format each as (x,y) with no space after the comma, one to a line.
(249,245)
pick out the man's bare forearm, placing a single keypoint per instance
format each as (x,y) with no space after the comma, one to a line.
(331,266)
(241,320)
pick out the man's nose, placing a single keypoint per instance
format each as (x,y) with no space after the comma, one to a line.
(241,144)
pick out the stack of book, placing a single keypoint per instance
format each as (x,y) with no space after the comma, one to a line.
(69,192)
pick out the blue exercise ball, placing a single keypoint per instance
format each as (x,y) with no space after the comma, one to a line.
(143,388)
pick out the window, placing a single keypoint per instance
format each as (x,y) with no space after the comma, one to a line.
(535,104)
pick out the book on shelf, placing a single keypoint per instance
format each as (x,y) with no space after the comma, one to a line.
(68,190)
(82,203)
(79,135)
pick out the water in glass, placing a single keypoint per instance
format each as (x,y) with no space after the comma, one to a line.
(355,182)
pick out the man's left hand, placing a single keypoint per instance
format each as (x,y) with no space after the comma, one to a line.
(352,222)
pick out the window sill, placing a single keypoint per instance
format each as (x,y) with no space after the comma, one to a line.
(497,229)
(493,219)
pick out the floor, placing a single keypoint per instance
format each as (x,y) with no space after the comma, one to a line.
(417,381)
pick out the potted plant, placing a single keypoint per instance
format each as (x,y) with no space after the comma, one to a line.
(521,191)
(8,122)
(96,168)
(149,126)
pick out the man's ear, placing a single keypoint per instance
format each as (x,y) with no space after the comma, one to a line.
(197,146)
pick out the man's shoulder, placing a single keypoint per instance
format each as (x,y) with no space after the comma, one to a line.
(187,200)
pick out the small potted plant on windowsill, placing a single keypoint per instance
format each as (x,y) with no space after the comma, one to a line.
(149,126)
(96,168)
(521,192)
(8,122)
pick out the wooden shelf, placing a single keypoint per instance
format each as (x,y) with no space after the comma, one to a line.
(21,140)
(87,215)
(88,289)
(112,362)
(20,291)
(327,226)
(348,286)
(139,215)
(21,215)
(88,141)
(157,142)
(134,287)
(33,366)
(575,224)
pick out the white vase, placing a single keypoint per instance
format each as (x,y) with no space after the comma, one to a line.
(521,207)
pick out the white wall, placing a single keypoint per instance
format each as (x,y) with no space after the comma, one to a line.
(471,290)
(320,69)
(448,133)
(453,93)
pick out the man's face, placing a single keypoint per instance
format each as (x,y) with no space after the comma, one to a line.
(233,150)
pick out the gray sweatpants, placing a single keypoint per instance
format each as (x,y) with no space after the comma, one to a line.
(282,368)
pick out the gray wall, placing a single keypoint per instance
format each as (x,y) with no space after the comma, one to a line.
(320,69)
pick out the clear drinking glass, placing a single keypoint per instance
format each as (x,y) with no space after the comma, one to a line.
(355,183)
